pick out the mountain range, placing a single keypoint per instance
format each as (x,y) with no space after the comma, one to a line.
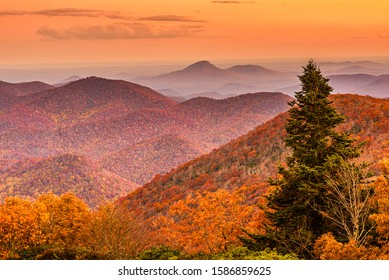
(121,130)
(203,78)
(95,132)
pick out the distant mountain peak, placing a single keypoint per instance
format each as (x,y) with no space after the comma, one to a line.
(202,66)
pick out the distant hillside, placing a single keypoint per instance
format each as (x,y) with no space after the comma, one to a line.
(377,86)
(254,157)
(346,77)
(252,70)
(97,96)
(364,84)
(21,89)
(10,93)
(143,160)
(203,76)
(61,174)
(231,117)
(354,67)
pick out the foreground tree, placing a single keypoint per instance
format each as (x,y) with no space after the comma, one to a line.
(52,227)
(20,228)
(314,143)
(328,248)
(349,201)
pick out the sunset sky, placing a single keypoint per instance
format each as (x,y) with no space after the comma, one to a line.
(74,31)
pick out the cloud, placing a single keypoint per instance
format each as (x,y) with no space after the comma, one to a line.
(170,18)
(115,32)
(234,2)
(128,27)
(71,12)
(68,12)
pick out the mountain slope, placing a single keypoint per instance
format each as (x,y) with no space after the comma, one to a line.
(106,120)
(93,95)
(21,89)
(10,93)
(61,174)
(154,156)
(254,157)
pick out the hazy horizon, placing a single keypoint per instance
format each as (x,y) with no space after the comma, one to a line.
(53,72)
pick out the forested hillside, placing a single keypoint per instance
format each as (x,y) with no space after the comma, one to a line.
(62,174)
(255,156)
(130,130)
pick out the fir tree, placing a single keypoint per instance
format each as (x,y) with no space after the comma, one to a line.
(315,144)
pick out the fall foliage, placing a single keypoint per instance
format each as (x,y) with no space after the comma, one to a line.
(63,227)
(116,233)
(67,153)
(376,247)
(208,222)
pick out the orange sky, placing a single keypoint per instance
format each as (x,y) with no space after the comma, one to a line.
(73,31)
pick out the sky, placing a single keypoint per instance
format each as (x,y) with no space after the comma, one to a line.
(73,31)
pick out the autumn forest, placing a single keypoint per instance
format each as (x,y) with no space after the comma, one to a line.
(99,168)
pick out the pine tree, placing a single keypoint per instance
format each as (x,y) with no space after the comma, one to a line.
(315,145)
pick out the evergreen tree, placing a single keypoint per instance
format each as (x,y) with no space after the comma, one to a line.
(316,148)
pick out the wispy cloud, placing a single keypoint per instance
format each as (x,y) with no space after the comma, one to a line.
(68,12)
(234,2)
(170,18)
(122,27)
(71,12)
(115,32)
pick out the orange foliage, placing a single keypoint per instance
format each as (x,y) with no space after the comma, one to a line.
(208,222)
(327,248)
(20,227)
(67,218)
(382,195)
(50,223)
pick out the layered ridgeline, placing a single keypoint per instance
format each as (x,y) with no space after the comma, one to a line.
(254,157)
(205,79)
(202,77)
(118,127)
